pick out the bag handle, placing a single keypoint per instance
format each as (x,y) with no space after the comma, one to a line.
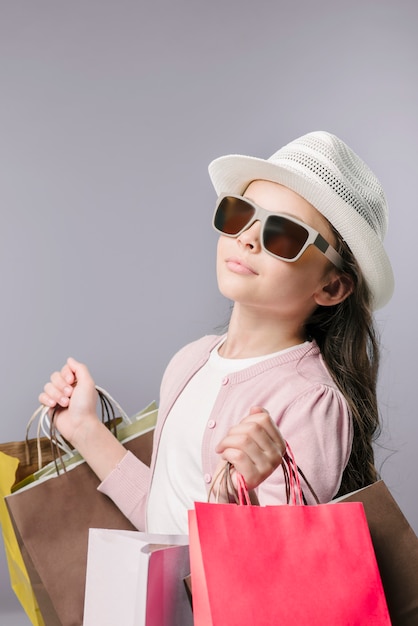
(241,494)
(105,395)
(59,445)
(294,491)
(108,418)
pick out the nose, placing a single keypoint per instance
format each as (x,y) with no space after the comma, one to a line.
(251,237)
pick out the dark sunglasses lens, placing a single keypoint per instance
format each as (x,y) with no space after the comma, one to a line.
(232,215)
(283,237)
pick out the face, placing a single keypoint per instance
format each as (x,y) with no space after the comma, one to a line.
(256,280)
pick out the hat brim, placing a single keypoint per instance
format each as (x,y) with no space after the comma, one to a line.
(233,173)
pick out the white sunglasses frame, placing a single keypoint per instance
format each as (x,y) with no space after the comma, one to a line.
(260,214)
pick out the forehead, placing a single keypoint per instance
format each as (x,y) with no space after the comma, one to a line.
(280,199)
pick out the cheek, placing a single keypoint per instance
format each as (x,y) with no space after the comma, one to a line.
(221,253)
(313,264)
(301,277)
(224,247)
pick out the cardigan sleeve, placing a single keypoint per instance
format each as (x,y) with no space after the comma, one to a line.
(127,485)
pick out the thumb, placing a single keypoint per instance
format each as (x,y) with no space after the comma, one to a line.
(257,409)
(80,371)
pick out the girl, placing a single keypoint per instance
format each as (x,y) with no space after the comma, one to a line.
(300,254)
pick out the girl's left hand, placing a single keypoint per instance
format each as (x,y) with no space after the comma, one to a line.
(254,447)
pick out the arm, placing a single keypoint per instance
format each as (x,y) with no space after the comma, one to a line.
(73,394)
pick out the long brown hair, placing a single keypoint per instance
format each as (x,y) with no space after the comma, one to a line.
(348,341)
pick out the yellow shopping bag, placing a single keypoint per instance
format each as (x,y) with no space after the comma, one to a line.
(19,578)
(45,494)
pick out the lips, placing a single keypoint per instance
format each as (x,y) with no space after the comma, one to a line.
(238,266)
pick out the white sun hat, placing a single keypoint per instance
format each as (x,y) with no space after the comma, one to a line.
(329,175)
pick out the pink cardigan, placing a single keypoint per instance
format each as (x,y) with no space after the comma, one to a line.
(300,395)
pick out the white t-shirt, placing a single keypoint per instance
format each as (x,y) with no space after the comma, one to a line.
(178,478)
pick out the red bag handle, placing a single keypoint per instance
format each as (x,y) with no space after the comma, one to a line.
(291,469)
(294,493)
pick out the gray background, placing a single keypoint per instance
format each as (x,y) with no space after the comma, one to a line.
(110,112)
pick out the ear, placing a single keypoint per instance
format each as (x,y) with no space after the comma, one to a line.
(335,291)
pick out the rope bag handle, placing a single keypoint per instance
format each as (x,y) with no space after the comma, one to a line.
(242,496)
(46,427)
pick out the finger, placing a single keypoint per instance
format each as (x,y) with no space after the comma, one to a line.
(46,400)
(254,447)
(53,395)
(254,444)
(260,416)
(258,409)
(253,473)
(259,427)
(68,374)
(59,381)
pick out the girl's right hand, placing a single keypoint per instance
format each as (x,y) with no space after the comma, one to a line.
(72,393)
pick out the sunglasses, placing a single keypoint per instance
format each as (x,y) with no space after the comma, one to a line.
(282,236)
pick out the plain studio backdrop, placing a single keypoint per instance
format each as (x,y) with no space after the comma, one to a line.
(110,114)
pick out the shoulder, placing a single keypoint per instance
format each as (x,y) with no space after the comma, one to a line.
(312,386)
(298,369)
(306,368)
(297,384)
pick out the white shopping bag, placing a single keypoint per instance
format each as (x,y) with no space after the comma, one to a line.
(136,579)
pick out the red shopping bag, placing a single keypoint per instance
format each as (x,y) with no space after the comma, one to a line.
(284,564)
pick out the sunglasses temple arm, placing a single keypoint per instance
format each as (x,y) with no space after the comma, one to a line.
(329,251)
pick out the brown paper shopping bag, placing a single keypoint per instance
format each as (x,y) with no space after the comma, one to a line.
(396,548)
(19,460)
(26,452)
(52,517)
